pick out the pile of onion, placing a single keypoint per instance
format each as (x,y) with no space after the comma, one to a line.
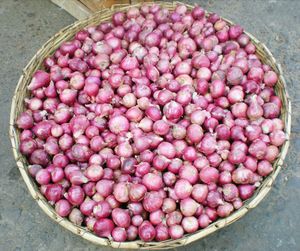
(152,125)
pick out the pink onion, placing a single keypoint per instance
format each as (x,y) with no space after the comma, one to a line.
(176,232)
(152,181)
(104,187)
(173,110)
(121,192)
(209,175)
(103,227)
(264,168)
(190,224)
(146,231)
(119,234)
(203,221)
(75,195)
(277,137)
(152,201)
(188,207)
(40,79)
(183,188)
(246,191)
(225,210)
(242,176)
(230,192)
(137,192)
(63,208)
(258,149)
(121,217)
(162,232)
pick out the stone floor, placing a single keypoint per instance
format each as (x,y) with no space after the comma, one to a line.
(274,225)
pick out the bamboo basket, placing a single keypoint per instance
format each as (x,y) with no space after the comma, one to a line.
(17,107)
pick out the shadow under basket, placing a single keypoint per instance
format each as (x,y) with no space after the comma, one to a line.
(17,107)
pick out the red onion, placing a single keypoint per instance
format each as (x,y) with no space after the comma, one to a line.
(63,208)
(256,74)
(242,176)
(152,201)
(264,168)
(235,94)
(209,175)
(102,209)
(39,157)
(225,178)
(103,227)
(40,79)
(272,153)
(57,174)
(146,231)
(250,163)
(169,178)
(137,192)
(176,232)
(207,144)
(271,110)
(104,187)
(121,192)
(81,152)
(169,205)
(258,149)
(132,233)
(173,110)
(270,78)
(94,172)
(225,210)
(153,113)
(188,206)
(183,188)
(89,188)
(27,146)
(119,234)
(161,127)
(230,192)
(53,192)
(75,195)
(174,218)
(156,217)
(118,124)
(121,217)
(234,76)
(246,191)
(203,221)
(190,224)
(152,181)
(87,206)
(194,133)
(214,199)
(137,220)
(162,232)
(166,149)
(33,169)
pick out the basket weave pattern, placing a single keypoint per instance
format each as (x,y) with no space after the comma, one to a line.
(17,107)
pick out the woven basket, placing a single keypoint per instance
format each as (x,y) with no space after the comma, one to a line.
(18,106)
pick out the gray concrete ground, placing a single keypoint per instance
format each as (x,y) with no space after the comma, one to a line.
(274,225)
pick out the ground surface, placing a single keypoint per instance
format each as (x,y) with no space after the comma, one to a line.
(273,225)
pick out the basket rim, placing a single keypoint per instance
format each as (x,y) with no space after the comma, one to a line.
(260,193)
